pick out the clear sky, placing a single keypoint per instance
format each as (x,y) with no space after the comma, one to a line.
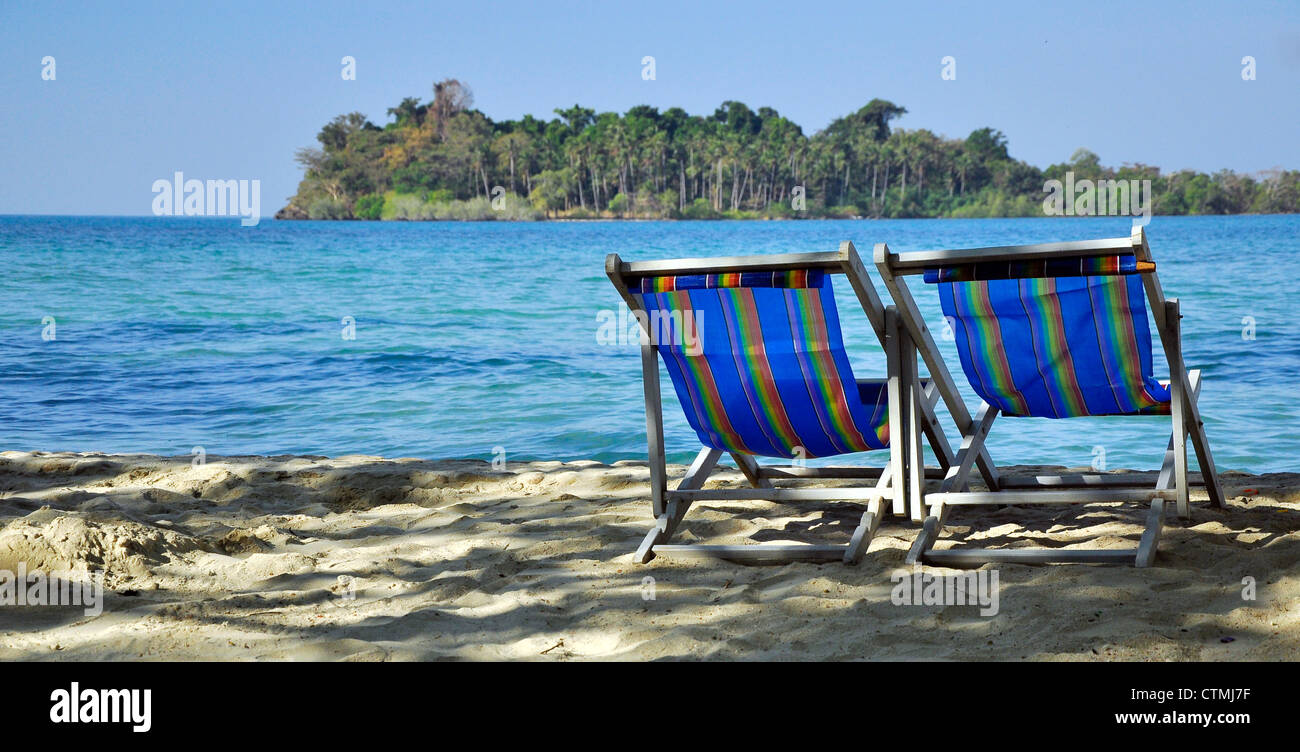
(230,90)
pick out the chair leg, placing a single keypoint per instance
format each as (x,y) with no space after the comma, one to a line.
(1180,450)
(972,444)
(1150,541)
(924,541)
(666,522)
(1196,431)
(915,455)
(933,432)
(749,466)
(865,531)
(654,426)
(1146,550)
(659,533)
(1178,405)
(897,424)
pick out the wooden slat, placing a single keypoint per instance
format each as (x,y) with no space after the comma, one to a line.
(1146,550)
(971,445)
(915,432)
(1179,400)
(654,426)
(645,551)
(925,383)
(934,433)
(777,494)
(1082,480)
(862,473)
(852,268)
(897,426)
(1079,496)
(750,467)
(700,468)
(863,534)
(924,540)
(1201,443)
(695,477)
(759,552)
(916,262)
(832,262)
(1030,556)
(650,387)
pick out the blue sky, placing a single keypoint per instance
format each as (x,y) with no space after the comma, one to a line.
(230,91)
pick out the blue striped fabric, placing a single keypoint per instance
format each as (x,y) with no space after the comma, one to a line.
(1056,347)
(762,369)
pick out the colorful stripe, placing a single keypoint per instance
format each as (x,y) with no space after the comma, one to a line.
(987,360)
(768,373)
(1051,349)
(790,279)
(1056,348)
(1078,266)
(1117,344)
(705,398)
(879,401)
(812,345)
(740,311)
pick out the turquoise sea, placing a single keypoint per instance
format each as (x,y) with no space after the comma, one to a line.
(160,334)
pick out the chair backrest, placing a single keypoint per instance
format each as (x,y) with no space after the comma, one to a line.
(1053,337)
(758,362)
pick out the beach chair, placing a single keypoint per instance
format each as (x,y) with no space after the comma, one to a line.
(753,347)
(1057,330)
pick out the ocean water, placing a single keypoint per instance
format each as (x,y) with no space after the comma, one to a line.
(169,334)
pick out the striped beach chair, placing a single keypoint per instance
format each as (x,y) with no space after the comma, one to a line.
(1058,330)
(754,351)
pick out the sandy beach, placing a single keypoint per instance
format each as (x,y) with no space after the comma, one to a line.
(366,559)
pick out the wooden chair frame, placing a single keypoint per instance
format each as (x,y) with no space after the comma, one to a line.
(1173,481)
(911,403)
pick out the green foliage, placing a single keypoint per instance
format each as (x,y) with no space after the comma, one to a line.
(700,209)
(779,210)
(369,206)
(666,203)
(390,209)
(551,190)
(513,208)
(442,159)
(328,208)
(473,209)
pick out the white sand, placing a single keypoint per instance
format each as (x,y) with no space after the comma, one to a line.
(241,558)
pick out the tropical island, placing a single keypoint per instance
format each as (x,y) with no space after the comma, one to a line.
(443,159)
